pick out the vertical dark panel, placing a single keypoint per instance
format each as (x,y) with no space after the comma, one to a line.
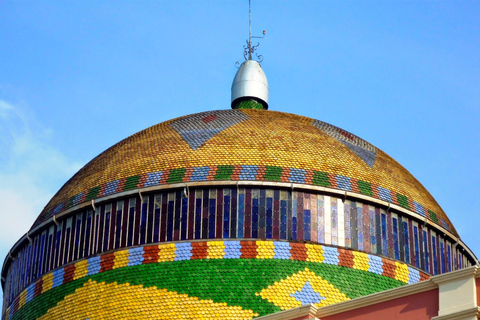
(125,219)
(435,257)
(353,224)
(170,215)
(42,253)
(410,238)
(78,235)
(163,217)
(416,246)
(429,250)
(420,247)
(300,217)
(198,213)
(156,220)
(48,249)
(106,232)
(255,210)
(241,213)
(58,242)
(68,230)
(289,215)
(219,222)
(205,207)
(262,214)
(131,221)
(396,249)
(81,237)
(401,238)
(408,246)
(20,257)
(138,216)
(184,218)
(151,218)
(143,220)
(378,230)
(53,248)
(177,215)
(119,227)
(294,214)
(65,245)
(441,248)
(99,233)
(113,226)
(88,233)
(62,247)
(391,251)
(72,239)
(283,215)
(30,257)
(212,210)
(226,213)
(276,214)
(191,215)
(385,244)
(269,214)
(33,273)
(234,216)
(426,251)
(248,213)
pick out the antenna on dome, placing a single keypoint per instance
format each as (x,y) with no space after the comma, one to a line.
(249,49)
(250,85)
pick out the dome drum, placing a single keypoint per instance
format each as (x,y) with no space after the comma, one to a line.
(239,211)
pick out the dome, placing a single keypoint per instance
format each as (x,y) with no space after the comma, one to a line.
(228,214)
(248,145)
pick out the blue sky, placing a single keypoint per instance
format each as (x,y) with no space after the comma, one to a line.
(78,76)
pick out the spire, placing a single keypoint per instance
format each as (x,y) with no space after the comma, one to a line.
(250,85)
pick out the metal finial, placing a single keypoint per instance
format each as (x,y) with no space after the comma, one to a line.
(249,49)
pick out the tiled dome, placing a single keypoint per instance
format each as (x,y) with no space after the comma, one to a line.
(258,145)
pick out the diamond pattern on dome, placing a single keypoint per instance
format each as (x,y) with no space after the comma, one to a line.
(366,151)
(303,287)
(197,129)
(307,295)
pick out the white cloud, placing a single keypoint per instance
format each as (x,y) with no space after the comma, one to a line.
(4,108)
(31,171)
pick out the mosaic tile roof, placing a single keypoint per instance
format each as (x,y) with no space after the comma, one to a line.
(211,280)
(247,145)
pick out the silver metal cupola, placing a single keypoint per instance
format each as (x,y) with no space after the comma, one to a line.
(250,84)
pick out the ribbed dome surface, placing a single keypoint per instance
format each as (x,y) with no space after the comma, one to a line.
(247,145)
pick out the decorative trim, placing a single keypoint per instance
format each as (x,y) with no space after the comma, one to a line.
(456,275)
(308,310)
(244,173)
(461,315)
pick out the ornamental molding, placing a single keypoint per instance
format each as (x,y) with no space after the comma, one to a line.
(309,311)
(456,275)
(472,313)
